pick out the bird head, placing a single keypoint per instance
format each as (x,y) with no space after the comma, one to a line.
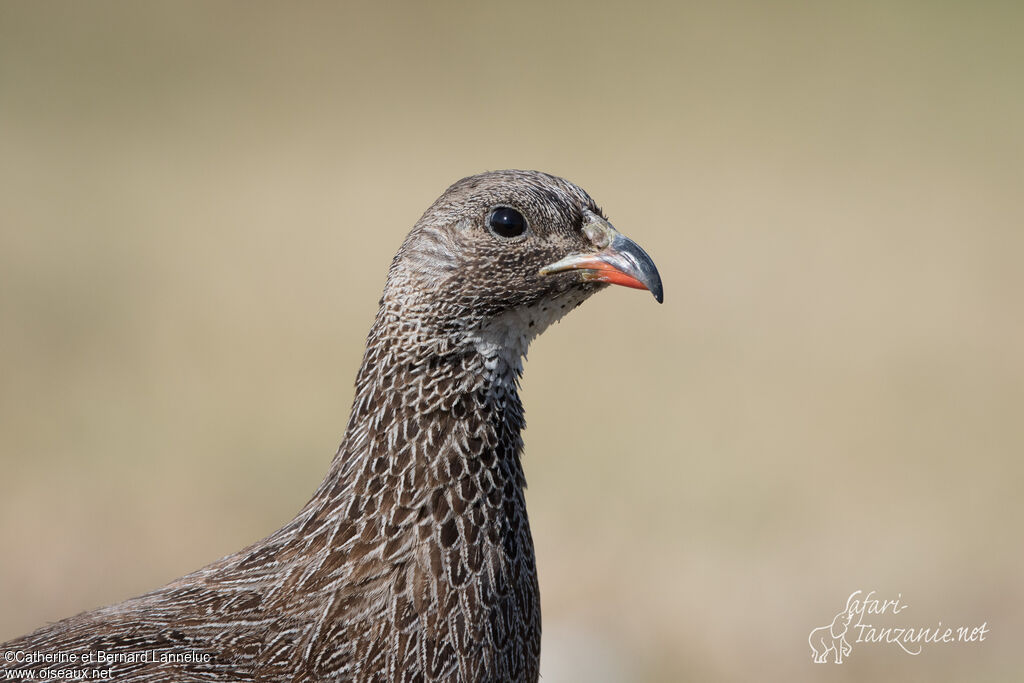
(512,240)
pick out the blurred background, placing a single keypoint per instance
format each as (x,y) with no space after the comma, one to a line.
(200,202)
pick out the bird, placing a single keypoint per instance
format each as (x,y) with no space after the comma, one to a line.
(413,559)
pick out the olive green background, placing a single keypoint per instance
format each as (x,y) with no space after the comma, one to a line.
(199,201)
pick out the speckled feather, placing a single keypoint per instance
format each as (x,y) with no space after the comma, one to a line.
(413,560)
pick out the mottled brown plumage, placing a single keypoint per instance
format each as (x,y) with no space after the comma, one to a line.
(413,560)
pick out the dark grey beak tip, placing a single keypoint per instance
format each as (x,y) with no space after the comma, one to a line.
(637,263)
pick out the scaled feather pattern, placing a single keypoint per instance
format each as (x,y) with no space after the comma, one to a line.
(413,560)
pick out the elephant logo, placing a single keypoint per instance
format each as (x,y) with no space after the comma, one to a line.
(832,638)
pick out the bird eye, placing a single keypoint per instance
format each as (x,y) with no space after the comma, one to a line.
(506,222)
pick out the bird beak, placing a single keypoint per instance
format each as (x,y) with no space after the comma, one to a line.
(620,260)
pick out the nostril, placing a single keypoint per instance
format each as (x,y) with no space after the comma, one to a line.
(598,234)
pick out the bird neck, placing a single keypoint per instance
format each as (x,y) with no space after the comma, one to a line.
(436,415)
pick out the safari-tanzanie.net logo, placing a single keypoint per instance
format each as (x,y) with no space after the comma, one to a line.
(868,619)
